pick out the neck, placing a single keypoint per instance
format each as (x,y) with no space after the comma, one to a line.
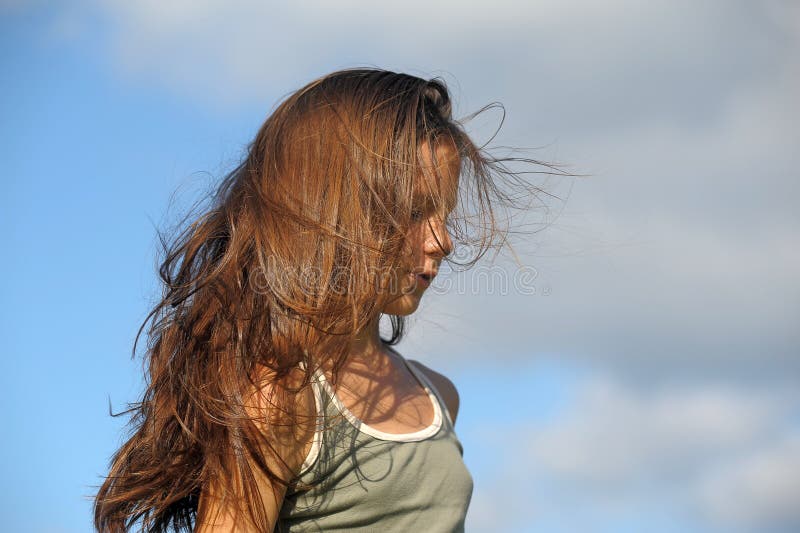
(367,349)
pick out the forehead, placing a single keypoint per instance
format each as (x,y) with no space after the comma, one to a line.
(440,171)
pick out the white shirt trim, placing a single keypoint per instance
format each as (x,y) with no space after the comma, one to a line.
(362,426)
(316,444)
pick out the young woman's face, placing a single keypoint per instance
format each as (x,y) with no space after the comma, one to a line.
(428,240)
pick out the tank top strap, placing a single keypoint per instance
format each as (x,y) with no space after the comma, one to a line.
(426,382)
(319,406)
(329,408)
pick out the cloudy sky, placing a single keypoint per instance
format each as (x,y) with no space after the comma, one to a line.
(641,376)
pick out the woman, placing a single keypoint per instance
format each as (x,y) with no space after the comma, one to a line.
(272,401)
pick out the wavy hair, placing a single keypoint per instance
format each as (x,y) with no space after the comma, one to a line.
(290,259)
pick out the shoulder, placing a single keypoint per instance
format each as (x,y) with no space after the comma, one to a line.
(278,409)
(445,387)
(285,410)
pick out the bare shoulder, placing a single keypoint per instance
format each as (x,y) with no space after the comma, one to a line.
(290,416)
(445,387)
(284,418)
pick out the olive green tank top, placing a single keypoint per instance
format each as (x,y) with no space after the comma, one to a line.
(364,479)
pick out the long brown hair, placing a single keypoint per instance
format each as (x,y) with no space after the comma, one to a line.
(279,272)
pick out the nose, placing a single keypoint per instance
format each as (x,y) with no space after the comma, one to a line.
(437,239)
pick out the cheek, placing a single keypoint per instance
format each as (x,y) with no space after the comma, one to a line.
(414,243)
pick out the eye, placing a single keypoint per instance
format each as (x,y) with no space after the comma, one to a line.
(417,214)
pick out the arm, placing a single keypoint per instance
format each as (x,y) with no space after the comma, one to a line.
(216,516)
(445,388)
(291,444)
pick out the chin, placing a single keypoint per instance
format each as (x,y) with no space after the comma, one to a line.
(403,306)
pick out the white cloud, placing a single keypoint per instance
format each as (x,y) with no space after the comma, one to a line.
(758,492)
(595,65)
(678,254)
(621,451)
(617,435)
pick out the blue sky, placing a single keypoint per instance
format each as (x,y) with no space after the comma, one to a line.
(653,381)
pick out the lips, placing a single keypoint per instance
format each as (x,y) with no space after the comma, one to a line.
(422,280)
(425,277)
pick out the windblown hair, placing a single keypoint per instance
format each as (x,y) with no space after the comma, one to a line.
(292,257)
